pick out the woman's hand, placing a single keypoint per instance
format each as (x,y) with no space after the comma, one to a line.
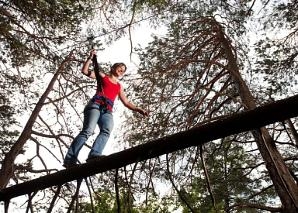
(142,111)
(92,53)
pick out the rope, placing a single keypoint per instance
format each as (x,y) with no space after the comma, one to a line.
(96,70)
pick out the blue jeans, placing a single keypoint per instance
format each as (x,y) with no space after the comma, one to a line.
(93,114)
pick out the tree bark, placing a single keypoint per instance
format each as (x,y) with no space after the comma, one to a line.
(240,122)
(279,173)
(293,131)
(7,169)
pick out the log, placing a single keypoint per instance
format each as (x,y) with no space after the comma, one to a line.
(236,123)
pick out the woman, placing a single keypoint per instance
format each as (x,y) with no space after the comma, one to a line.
(99,111)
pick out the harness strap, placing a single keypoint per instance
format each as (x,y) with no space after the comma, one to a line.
(103,101)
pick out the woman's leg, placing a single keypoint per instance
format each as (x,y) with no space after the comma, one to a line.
(106,124)
(91,117)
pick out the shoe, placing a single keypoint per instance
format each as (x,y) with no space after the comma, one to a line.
(68,165)
(93,158)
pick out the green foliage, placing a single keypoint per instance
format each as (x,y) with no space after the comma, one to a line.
(9,112)
(229,166)
(159,5)
(31,28)
(105,201)
(7,121)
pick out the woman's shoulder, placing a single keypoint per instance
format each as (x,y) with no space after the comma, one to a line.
(102,74)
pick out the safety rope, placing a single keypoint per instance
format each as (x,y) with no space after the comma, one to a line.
(96,70)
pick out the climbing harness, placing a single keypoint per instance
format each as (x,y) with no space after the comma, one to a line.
(105,103)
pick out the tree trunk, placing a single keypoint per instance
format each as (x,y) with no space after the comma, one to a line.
(7,169)
(280,175)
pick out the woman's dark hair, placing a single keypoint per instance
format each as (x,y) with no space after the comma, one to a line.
(114,67)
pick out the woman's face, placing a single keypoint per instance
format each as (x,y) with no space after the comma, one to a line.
(120,70)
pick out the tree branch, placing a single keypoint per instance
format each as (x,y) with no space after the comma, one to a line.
(7,168)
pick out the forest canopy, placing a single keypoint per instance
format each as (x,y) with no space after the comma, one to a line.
(212,60)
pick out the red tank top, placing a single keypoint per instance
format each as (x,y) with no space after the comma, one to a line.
(110,89)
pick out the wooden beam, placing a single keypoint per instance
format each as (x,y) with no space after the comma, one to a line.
(240,122)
